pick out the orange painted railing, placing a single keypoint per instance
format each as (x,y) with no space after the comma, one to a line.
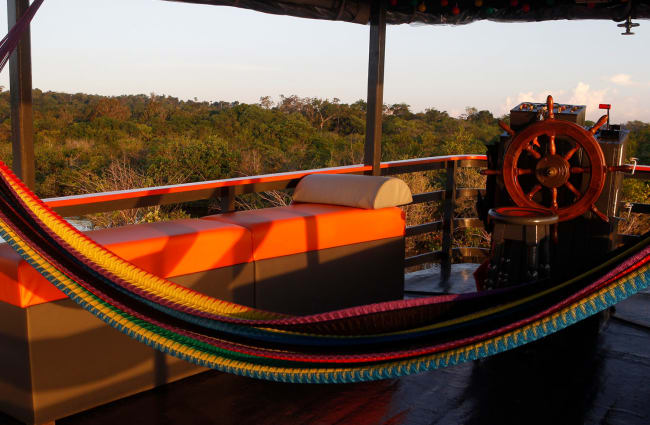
(227,189)
(134,198)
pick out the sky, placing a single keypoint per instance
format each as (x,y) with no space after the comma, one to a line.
(115,47)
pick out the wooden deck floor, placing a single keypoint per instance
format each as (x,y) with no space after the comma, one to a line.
(585,377)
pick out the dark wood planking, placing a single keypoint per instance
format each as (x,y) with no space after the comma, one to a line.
(434,226)
(20,82)
(467,254)
(420,198)
(589,381)
(375,105)
(429,257)
(439,195)
(420,229)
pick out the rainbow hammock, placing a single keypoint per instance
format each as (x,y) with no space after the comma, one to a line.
(377,341)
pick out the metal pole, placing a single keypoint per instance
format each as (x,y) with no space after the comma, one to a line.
(20,83)
(372,152)
(448,222)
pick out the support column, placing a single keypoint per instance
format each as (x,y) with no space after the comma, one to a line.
(448,222)
(372,152)
(20,85)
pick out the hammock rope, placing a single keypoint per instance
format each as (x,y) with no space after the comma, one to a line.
(377,341)
(257,349)
(10,41)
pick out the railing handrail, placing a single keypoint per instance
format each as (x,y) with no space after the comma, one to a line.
(227,189)
(185,192)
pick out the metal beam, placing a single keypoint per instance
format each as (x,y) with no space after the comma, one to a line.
(448,222)
(372,151)
(20,83)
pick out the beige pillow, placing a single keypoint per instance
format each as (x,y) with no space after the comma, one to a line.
(369,192)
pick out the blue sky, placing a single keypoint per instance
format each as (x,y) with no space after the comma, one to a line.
(114,47)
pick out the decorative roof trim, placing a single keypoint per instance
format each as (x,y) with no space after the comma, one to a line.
(456,12)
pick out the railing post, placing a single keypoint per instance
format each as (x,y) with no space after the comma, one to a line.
(227,201)
(20,85)
(448,221)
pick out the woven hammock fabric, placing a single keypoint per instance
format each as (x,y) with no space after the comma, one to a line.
(378,341)
(10,41)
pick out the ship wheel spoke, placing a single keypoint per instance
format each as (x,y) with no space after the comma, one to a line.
(554,205)
(573,189)
(549,106)
(598,124)
(524,171)
(536,142)
(580,170)
(532,152)
(571,152)
(533,191)
(602,216)
(490,172)
(506,128)
(551,144)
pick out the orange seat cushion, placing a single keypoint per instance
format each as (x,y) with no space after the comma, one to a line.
(166,249)
(307,227)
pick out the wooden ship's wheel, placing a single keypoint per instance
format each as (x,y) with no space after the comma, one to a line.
(543,153)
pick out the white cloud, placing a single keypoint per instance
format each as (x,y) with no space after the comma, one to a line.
(584,95)
(630,98)
(581,94)
(540,97)
(622,80)
(626,80)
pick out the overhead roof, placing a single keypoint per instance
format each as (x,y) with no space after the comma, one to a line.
(436,12)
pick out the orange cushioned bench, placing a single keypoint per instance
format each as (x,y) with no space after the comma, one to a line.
(56,359)
(182,250)
(311,258)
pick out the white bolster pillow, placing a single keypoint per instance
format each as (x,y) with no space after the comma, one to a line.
(369,192)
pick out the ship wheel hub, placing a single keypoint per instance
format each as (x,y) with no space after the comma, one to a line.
(552,171)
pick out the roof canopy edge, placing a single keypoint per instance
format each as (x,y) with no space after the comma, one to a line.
(457,12)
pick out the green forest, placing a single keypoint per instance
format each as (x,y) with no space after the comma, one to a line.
(89,143)
(166,141)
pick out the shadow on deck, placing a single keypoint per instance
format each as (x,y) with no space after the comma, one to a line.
(578,376)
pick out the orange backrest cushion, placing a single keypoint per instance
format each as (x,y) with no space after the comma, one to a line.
(307,227)
(166,249)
